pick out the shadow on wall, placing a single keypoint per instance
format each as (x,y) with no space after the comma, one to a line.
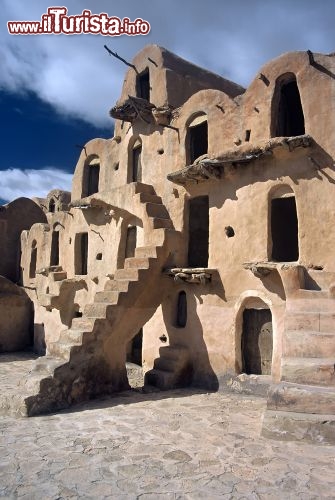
(199,372)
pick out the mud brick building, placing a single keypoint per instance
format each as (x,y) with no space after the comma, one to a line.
(198,242)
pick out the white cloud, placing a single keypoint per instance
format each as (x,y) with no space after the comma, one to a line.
(15,183)
(234,39)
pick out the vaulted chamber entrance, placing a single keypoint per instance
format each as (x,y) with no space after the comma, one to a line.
(257,342)
(198,232)
(54,258)
(287,113)
(197,138)
(284,229)
(81,253)
(136,174)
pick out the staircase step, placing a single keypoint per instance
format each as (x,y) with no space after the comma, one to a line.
(140,187)
(96,310)
(173,352)
(73,336)
(302,321)
(60,349)
(308,344)
(155,210)
(301,398)
(136,263)
(145,252)
(132,274)
(310,300)
(46,299)
(107,297)
(313,371)
(59,276)
(150,198)
(162,379)
(116,286)
(162,223)
(82,324)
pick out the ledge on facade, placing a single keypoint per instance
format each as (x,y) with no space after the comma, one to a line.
(205,168)
(89,202)
(133,108)
(261,269)
(200,275)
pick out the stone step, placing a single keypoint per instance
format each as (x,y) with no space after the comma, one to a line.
(107,297)
(47,299)
(60,349)
(146,252)
(83,324)
(322,278)
(158,223)
(169,364)
(310,371)
(140,187)
(155,210)
(162,379)
(301,398)
(173,352)
(72,336)
(150,198)
(308,344)
(132,274)
(116,286)
(304,427)
(310,321)
(96,310)
(137,263)
(311,301)
(58,276)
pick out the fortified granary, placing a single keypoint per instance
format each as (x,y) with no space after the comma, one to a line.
(197,242)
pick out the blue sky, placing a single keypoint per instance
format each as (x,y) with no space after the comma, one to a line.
(55,91)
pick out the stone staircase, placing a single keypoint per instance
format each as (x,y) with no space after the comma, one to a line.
(88,359)
(172,369)
(303,403)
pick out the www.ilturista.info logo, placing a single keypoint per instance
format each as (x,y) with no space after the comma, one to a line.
(57,22)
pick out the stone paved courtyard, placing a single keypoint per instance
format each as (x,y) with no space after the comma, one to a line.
(179,444)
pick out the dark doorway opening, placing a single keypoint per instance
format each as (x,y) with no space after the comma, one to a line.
(257,342)
(33,260)
(198,232)
(198,140)
(54,258)
(93,179)
(284,230)
(181,310)
(137,164)
(81,253)
(143,85)
(134,349)
(52,206)
(288,114)
(131,240)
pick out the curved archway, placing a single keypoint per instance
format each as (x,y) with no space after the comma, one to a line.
(287,116)
(283,241)
(91,176)
(255,333)
(135,160)
(33,260)
(196,142)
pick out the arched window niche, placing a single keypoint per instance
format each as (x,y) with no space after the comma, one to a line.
(135,161)
(33,260)
(283,219)
(91,176)
(196,137)
(287,116)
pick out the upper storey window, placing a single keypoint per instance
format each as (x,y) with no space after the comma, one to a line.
(197,138)
(136,174)
(52,205)
(143,85)
(287,113)
(91,177)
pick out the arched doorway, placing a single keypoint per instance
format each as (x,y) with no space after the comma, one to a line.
(257,341)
